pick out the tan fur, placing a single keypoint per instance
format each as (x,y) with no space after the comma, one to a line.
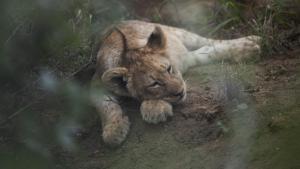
(145,61)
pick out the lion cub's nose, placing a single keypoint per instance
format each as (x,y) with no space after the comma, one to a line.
(180,94)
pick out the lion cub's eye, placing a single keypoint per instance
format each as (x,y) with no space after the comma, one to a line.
(170,69)
(154,84)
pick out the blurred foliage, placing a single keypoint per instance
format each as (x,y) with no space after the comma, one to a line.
(44,43)
(52,32)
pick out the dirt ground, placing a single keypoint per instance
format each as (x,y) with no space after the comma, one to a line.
(235,116)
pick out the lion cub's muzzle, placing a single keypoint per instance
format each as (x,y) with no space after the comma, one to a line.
(176,97)
(180,95)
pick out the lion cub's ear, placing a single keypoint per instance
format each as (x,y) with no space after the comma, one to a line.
(116,80)
(157,39)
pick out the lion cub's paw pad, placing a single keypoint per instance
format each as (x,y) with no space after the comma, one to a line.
(115,132)
(155,111)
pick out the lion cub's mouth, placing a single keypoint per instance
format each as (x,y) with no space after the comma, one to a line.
(176,98)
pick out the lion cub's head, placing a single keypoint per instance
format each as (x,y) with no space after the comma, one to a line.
(147,73)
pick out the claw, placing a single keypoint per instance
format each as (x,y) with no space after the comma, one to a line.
(155,111)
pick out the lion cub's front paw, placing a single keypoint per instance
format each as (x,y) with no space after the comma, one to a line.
(115,130)
(155,111)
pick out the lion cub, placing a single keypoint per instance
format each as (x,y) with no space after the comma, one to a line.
(145,61)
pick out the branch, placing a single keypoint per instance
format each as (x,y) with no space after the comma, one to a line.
(3,122)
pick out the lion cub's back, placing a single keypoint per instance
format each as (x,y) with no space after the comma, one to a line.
(133,34)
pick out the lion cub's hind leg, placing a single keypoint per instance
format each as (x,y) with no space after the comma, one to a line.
(235,50)
(115,125)
(155,111)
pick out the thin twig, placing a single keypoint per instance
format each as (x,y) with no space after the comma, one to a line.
(3,122)
(83,66)
(13,33)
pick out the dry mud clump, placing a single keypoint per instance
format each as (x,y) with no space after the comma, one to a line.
(197,120)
